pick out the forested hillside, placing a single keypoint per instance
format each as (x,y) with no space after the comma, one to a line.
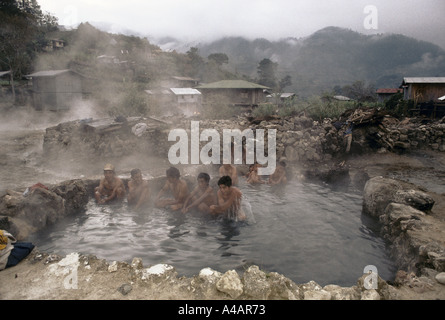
(334,57)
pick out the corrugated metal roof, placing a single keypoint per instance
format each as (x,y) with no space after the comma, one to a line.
(48,73)
(184,78)
(281,95)
(185,91)
(342,98)
(232,84)
(424,80)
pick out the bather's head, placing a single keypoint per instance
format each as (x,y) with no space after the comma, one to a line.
(203,180)
(224,184)
(172,174)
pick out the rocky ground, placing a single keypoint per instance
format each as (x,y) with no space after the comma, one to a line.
(41,276)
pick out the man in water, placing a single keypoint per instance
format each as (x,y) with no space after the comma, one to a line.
(279,175)
(138,190)
(111,188)
(202,197)
(252,176)
(229,200)
(178,189)
(228,169)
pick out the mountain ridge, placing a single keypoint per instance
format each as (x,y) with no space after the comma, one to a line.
(328,58)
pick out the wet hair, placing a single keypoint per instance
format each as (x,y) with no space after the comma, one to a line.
(225,180)
(135,172)
(204,176)
(173,172)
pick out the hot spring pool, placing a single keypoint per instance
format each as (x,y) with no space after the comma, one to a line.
(302,230)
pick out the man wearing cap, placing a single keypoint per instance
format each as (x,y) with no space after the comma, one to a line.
(111,188)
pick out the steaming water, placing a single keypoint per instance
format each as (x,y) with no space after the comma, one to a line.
(303,231)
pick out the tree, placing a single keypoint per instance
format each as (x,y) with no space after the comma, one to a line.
(22,27)
(267,73)
(360,92)
(219,58)
(285,82)
(195,60)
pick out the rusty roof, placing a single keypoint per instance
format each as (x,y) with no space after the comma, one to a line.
(389,90)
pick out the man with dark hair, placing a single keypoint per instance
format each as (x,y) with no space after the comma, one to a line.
(202,196)
(229,200)
(178,189)
(138,190)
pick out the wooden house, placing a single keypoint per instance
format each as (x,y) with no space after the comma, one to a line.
(56,89)
(423,89)
(235,92)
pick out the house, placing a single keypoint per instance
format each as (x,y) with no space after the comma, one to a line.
(56,89)
(187,100)
(54,44)
(423,89)
(235,92)
(384,94)
(3,75)
(280,98)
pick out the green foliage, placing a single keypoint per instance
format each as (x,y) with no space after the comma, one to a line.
(219,110)
(398,106)
(219,58)
(267,73)
(264,110)
(131,102)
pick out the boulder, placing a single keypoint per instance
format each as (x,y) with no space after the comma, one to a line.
(379,192)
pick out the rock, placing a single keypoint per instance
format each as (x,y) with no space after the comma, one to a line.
(414,198)
(136,263)
(158,272)
(282,287)
(256,285)
(379,192)
(317,295)
(370,295)
(125,289)
(230,283)
(440,277)
(209,275)
(113,267)
(341,293)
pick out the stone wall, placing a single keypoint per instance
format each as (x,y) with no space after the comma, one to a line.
(412,231)
(108,138)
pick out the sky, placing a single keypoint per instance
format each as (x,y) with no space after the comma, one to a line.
(206,20)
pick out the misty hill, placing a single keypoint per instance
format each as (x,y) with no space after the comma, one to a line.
(334,57)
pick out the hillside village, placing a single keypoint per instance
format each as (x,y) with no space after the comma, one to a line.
(129,76)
